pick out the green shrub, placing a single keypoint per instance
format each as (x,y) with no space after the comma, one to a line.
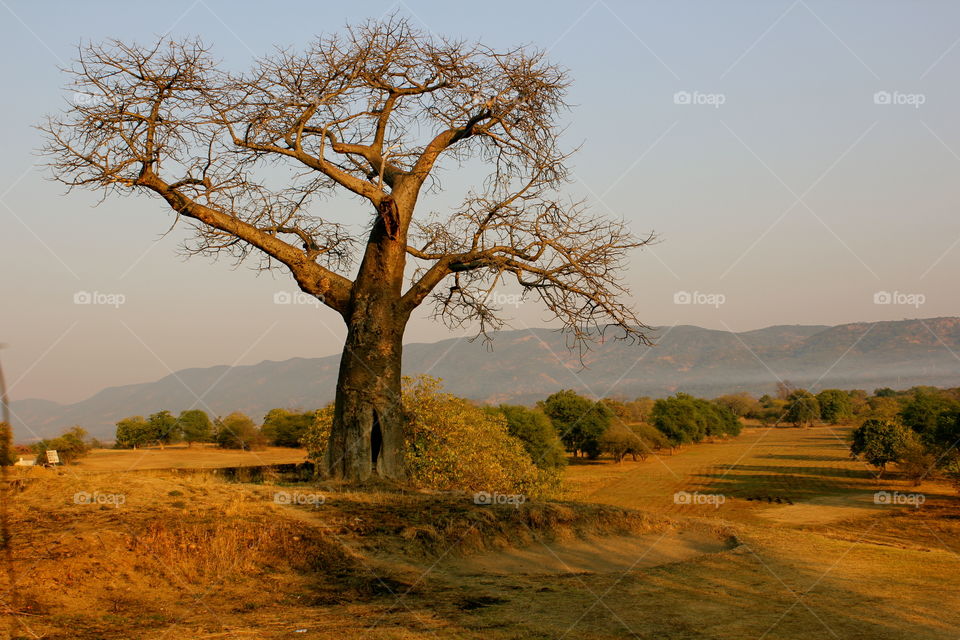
(237,431)
(652,438)
(683,419)
(285,428)
(535,430)
(620,441)
(70,446)
(452,444)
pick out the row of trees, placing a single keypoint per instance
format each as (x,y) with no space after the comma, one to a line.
(918,430)
(564,422)
(452,443)
(568,421)
(281,427)
(800,407)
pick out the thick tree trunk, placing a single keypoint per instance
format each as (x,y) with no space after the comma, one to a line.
(368,425)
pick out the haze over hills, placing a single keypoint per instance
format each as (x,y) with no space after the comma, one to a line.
(523,366)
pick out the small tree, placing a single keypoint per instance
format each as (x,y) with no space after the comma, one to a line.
(678,419)
(579,421)
(653,439)
(620,441)
(194,425)
(916,461)
(237,431)
(923,410)
(740,404)
(802,408)
(163,428)
(835,406)
(535,430)
(883,408)
(771,411)
(879,443)
(132,432)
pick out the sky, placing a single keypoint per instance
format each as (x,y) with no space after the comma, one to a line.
(797,161)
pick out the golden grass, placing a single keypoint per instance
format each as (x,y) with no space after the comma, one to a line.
(183,457)
(193,557)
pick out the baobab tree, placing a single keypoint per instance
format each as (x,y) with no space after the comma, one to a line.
(373,113)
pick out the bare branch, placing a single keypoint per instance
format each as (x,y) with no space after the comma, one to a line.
(375,113)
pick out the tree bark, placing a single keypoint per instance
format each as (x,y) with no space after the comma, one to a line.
(368,426)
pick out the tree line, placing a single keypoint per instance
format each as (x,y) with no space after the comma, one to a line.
(918,430)
(281,428)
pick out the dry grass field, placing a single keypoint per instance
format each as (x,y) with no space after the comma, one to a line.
(114,554)
(183,457)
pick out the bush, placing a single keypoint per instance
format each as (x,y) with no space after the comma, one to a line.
(285,428)
(70,446)
(620,441)
(237,431)
(652,438)
(452,444)
(316,438)
(535,430)
(916,461)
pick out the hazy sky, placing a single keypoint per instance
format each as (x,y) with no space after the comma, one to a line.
(750,136)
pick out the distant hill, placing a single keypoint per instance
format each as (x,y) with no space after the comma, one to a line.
(527,365)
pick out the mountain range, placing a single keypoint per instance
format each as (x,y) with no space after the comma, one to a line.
(523,366)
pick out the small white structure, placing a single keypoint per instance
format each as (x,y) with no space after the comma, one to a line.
(24,463)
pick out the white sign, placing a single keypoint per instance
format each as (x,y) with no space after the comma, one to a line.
(52,456)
